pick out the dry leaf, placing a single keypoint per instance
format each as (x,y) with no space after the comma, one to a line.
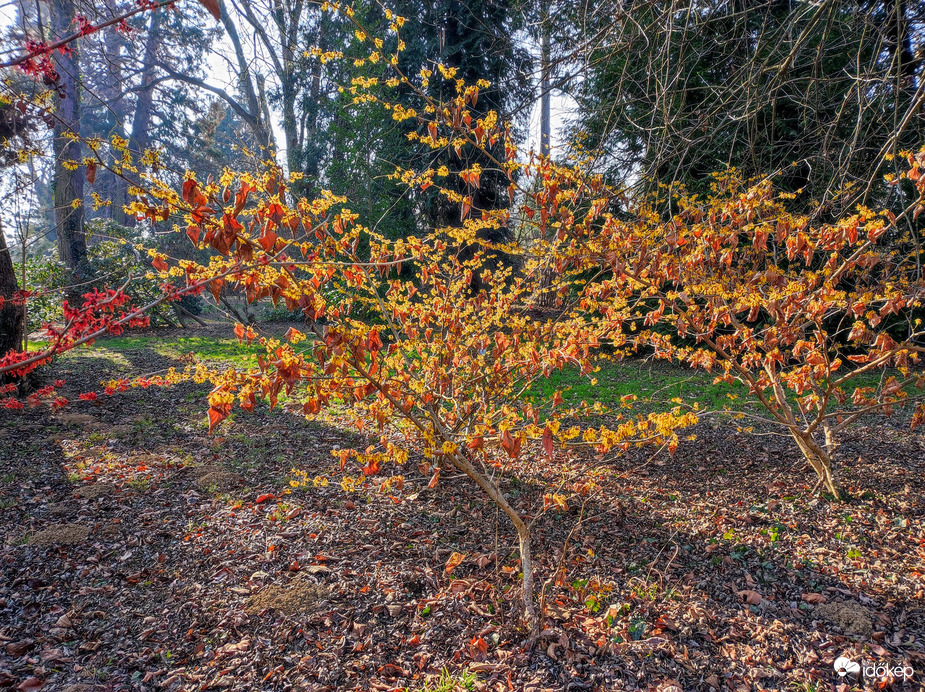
(750,597)
(454,562)
(18,648)
(814,598)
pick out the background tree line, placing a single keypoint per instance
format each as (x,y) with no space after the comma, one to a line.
(820,94)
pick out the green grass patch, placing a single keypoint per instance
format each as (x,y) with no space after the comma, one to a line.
(206,348)
(210,348)
(655,384)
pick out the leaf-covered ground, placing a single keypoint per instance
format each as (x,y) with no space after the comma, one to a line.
(137,552)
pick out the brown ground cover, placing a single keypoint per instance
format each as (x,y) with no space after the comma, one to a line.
(139,553)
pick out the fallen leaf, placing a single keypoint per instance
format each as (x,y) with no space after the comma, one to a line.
(750,597)
(454,562)
(814,598)
(18,648)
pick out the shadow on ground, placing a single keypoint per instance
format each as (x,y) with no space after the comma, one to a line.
(139,553)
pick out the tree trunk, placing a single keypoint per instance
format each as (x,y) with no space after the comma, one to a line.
(142,118)
(531,620)
(526,563)
(259,122)
(11,315)
(546,296)
(68,184)
(108,184)
(182,313)
(820,459)
(139,138)
(44,194)
(821,462)
(545,118)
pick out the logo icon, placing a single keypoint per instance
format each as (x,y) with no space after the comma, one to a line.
(844,666)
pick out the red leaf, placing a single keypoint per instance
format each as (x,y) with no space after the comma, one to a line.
(547,441)
(268,241)
(189,186)
(507,443)
(476,443)
(212,6)
(264,498)
(215,417)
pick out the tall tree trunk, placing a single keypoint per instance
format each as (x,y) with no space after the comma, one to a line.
(112,93)
(545,118)
(11,315)
(42,184)
(141,120)
(68,183)
(312,142)
(546,296)
(258,121)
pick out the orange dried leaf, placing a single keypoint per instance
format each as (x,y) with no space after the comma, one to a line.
(454,562)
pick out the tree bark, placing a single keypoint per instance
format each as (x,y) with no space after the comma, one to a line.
(141,121)
(139,138)
(820,459)
(260,126)
(108,184)
(821,462)
(546,296)
(531,620)
(68,184)
(11,315)
(182,313)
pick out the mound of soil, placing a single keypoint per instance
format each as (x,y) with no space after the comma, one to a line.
(61,534)
(96,490)
(293,598)
(220,480)
(850,617)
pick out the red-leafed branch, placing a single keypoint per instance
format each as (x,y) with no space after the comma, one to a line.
(37,50)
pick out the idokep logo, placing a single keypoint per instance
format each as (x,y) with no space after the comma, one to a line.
(872,670)
(845,667)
